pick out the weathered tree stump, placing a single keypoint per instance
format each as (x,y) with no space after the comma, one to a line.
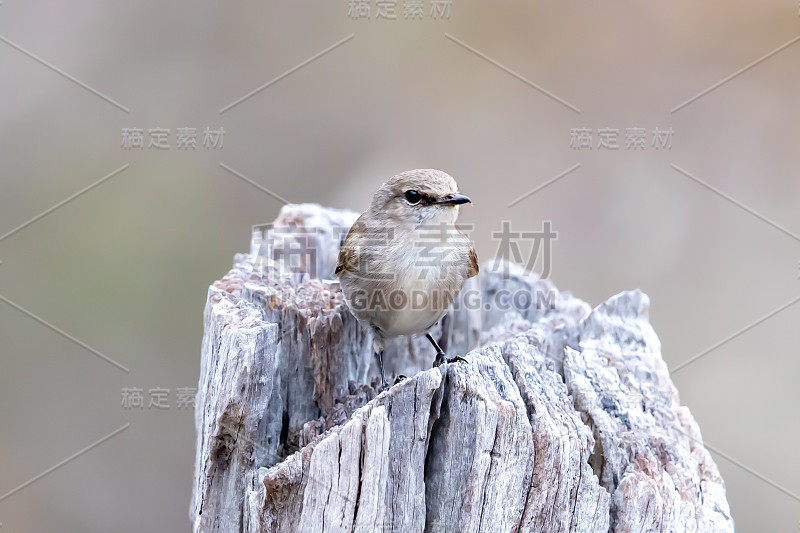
(564,418)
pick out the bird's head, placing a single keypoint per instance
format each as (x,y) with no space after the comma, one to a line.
(422,196)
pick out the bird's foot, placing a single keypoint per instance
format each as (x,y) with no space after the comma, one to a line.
(441,358)
(399,379)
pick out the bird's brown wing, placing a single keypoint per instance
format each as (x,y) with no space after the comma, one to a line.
(473,263)
(348,255)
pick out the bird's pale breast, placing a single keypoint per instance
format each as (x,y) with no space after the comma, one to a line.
(426,276)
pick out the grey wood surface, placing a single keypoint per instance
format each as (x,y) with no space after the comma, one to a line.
(564,418)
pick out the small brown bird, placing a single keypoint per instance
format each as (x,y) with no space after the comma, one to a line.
(403,261)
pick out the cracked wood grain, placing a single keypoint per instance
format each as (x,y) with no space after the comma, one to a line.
(564,418)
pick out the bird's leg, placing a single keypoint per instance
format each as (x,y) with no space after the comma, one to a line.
(441,358)
(379,355)
(378,344)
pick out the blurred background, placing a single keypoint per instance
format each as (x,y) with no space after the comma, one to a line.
(495,94)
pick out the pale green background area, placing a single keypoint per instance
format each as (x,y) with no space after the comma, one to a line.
(126,266)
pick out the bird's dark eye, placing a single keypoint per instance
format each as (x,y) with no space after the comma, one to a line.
(413,197)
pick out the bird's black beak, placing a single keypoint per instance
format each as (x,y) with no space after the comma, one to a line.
(453,199)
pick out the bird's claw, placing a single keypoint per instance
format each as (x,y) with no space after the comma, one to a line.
(399,379)
(441,359)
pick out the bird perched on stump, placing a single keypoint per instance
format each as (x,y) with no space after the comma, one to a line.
(404,261)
